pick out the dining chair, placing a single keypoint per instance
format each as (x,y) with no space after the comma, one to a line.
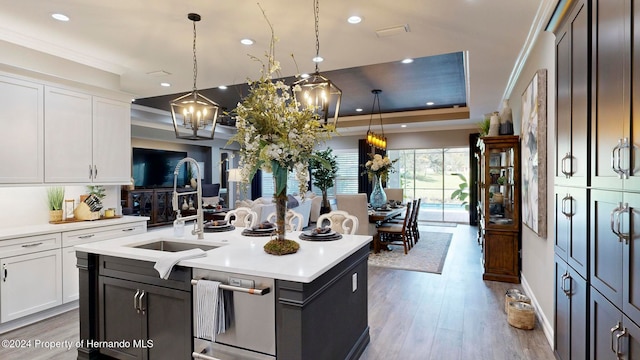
(357,205)
(293,221)
(413,231)
(395,194)
(243,217)
(397,234)
(339,221)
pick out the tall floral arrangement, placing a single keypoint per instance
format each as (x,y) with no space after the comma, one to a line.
(380,166)
(277,134)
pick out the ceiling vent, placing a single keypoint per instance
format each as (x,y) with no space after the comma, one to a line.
(392,31)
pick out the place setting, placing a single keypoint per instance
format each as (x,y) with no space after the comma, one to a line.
(218,226)
(265,228)
(320,234)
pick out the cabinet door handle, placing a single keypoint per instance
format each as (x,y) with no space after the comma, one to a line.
(613,330)
(140,302)
(4,272)
(86,236)
(614,218)
(613,157)
(565,277)
(91,171)
(31,245)
(566,173)
(135,301)
(622,235)
(95,172)
(622,173)
(129,229)
(622,334)
(569,213)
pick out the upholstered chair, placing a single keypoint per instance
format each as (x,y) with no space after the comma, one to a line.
(395,194)
(357,205)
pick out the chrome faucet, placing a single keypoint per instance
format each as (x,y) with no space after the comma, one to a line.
(199,226)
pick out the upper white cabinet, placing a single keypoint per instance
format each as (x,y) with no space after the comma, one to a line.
(111,141)
(21,119)
(87,138)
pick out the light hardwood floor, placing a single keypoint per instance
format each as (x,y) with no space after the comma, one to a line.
(412,315)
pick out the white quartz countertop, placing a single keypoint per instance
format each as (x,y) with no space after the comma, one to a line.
(9,232)
(240,254)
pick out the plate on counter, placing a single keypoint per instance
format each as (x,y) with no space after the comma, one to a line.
(312,233)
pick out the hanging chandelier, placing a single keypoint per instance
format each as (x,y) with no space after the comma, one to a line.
(376,140)
(194,116)
(317,90)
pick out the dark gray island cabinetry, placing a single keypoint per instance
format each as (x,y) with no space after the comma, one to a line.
(128,312)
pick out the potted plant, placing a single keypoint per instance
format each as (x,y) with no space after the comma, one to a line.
(55,198)
(324,168)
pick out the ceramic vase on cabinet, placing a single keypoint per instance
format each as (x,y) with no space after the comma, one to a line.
(378,197)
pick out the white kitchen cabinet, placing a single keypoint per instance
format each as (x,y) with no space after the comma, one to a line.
(31,275)
(111,141)
(87,138)
(21,119)
(70,239)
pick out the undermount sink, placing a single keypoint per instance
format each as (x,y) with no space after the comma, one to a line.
(173,246)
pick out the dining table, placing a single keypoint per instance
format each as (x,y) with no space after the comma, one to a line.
(378,217)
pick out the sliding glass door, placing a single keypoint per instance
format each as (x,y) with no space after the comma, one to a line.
(431,175)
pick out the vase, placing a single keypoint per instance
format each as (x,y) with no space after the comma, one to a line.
(325,206)
(280,245)
(378,197)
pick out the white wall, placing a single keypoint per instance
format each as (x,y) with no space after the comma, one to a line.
(537,252)
(27,205)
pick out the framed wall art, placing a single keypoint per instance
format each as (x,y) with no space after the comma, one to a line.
(534,154)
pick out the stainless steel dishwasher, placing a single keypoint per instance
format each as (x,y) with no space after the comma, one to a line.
(252,334)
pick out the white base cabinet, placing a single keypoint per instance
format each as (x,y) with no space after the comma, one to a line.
(31,276)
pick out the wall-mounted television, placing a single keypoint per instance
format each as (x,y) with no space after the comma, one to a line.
(152,168)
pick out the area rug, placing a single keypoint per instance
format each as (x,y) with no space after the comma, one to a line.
(428,255)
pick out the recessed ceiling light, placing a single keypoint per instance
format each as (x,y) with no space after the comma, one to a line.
(60,17)
(355,19)
(165,84)
(403,125)
(222,87)
(318,59)
(359,109)
(133,100)
(246,41)
(304,76)
(407,61)
(430,103)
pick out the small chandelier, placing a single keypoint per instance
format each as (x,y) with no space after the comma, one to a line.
(376,140)
(194,116)
(317,90)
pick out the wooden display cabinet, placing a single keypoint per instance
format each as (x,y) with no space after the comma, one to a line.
(499,207)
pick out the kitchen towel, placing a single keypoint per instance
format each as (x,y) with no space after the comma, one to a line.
(166,262)
(214,309)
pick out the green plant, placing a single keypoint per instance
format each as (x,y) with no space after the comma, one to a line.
(324,168)
(483,126)
(55,197)
(462,192)
(98,190)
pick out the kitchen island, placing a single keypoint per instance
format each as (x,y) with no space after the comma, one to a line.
(308,305)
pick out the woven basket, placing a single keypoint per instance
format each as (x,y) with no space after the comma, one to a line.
(521,315)
(514,295)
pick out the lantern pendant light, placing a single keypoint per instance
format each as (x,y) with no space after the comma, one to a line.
(317,90)
(376,140)
(194,115)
